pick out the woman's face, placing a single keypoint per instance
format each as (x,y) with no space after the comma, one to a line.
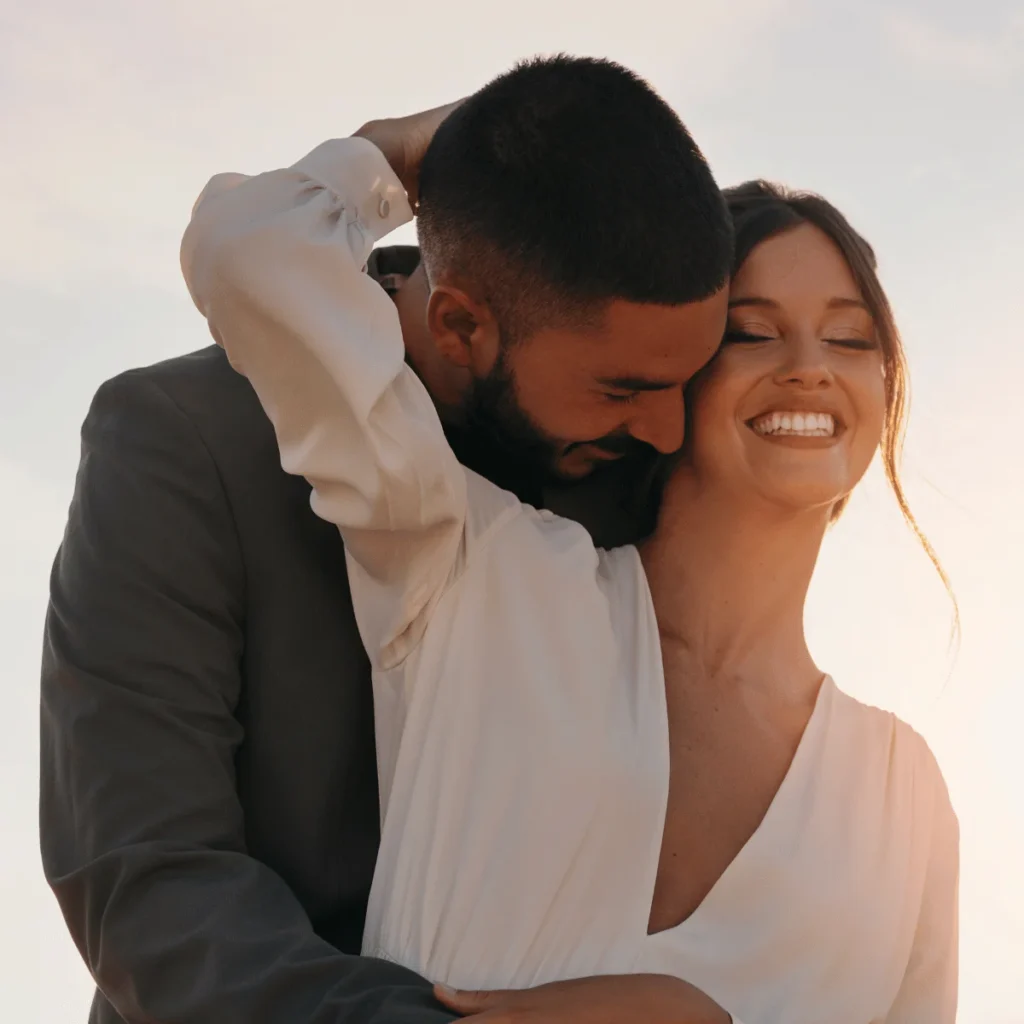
(791,410)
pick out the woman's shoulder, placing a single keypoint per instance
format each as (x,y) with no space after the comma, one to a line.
(506,527)
(894,743)
(508,537)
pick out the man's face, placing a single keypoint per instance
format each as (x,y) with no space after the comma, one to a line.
(565,401)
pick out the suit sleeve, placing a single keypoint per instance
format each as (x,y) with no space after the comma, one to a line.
(141,829)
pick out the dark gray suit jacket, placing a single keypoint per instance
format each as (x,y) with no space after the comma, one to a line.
(209,814)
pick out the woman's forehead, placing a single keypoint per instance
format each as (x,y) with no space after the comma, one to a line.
(797,263)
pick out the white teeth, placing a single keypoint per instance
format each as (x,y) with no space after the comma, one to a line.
(795,424)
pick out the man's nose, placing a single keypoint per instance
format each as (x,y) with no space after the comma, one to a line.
(660,420)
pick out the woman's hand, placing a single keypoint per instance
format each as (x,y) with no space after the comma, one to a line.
(614,999)
(404,141)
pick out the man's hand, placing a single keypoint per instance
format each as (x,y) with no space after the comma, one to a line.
(615,999)
(404,140)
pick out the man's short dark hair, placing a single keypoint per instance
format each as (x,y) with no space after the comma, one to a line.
(566,183)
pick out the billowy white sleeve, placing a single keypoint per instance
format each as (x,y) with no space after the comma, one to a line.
(276,264)
(928,993)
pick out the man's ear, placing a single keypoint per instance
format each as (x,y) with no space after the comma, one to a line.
(464,329)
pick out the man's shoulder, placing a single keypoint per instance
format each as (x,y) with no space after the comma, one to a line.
(197,395)
(202,385)
(205,369)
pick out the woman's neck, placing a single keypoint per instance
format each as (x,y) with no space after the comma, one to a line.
(729,580)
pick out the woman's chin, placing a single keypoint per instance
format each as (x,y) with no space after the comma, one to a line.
(800,484)
(803,477)
(773,477)
(795,493)
(810,503)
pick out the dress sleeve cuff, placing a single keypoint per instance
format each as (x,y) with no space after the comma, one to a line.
(355,169)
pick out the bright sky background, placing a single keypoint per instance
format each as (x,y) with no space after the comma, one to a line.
(908,114)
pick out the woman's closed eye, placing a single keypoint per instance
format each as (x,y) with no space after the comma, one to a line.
(755,337)
(856,344)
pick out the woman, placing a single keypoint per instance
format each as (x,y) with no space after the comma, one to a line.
(642,771)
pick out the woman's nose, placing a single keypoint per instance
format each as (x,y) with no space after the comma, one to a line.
(804,363)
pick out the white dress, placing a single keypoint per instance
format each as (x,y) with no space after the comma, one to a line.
(519,695)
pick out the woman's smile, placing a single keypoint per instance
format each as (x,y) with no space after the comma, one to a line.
(796,427)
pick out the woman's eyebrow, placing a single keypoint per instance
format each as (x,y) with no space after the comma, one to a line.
(846,303)
(839,302)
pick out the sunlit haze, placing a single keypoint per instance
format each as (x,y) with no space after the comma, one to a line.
(907,115)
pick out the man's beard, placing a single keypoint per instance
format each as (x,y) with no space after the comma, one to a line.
(495,418)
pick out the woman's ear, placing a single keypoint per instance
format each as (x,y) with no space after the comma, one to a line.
(464,330)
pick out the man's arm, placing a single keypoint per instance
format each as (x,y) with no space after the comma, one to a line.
(275,264)
(142,832)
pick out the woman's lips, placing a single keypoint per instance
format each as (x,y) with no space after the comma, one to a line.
(794,423)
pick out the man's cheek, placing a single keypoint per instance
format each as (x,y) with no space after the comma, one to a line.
(589,423)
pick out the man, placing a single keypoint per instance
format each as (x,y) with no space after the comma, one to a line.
(209,802)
